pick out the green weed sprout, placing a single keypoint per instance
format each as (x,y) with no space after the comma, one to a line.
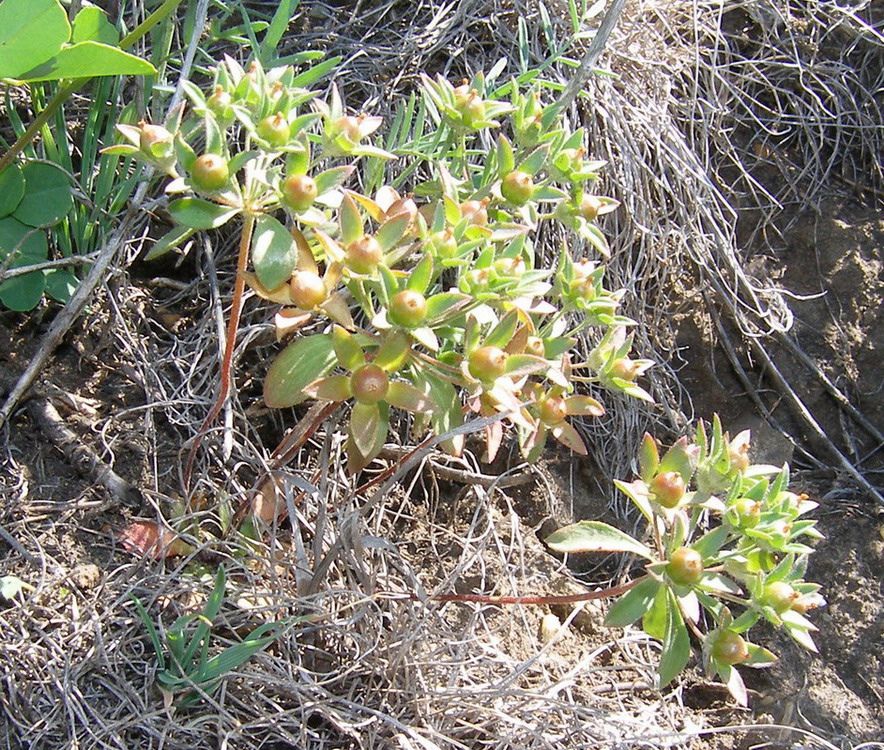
(185,668)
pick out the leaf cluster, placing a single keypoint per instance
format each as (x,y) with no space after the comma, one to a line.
(725,534)
(455,313)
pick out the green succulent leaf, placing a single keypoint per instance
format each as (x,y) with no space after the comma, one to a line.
(633,604)
(407,397)
(595,536)
(197,213)
(169,241)
(298,365)
(61,284)
(654,621)
(347,350)
(274,253)
(27,246)
(368,428)
(676,645)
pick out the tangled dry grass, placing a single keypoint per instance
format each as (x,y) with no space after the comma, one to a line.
(708,96)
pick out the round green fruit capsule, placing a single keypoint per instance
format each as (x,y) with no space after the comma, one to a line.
(364,255)
(590,207)
(469,105)
(209,172)
(748,512)
(535,346)
(475,212)
(307,289)
(220,103)
(730,648)
(349,127)
(408,309)
(442,244)
(553,410)
(369,384)
(487,363)
(668,488)
(275,130)
(780,596)
(299,191)
(517,188)
(685,566)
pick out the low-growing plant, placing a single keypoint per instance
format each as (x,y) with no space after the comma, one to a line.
(723,535)
(186,671)
(448,303)
(435,301)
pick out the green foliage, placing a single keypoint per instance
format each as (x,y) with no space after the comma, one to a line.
(186,668)
(37,43)
(754,561)
(35,197)
(461,314)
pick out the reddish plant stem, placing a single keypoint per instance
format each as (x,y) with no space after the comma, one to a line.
(227,361)
(534,600)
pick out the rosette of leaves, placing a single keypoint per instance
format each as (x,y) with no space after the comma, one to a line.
(613,366)
(464,108)
(273,170)
(757,566)
(550,411)
(495,368)
(517,185)
(373,391)
(343,134)
(361,253)
(581,287)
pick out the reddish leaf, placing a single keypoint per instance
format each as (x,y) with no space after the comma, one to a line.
(584,406)
(569,437)
(333,388)
(405,396)
(149,538)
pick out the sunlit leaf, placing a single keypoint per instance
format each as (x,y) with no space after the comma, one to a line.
(197,213)
(405,396)
(633,604)
(48,195)
(676,646)
(299,364)
(595,536)
(274,252)
(332,388)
